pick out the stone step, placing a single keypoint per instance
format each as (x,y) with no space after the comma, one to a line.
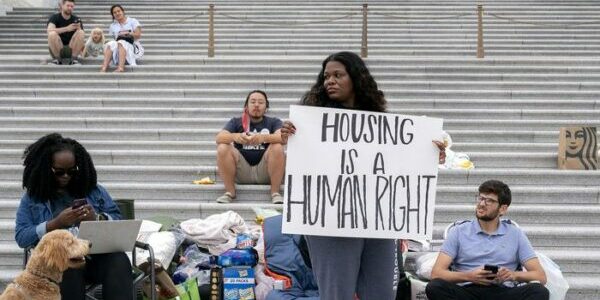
(236,101)
(117,145)
(466,93)
(424,50)
(513,148)
(542,237)
(396,85)
(226,67)
(200,29)
(207,157)
(186,174)
(215,124)
(210,145)
(162,42)
(303,71)
(570,262)
(346,33)
(524,214)
(293,76)
(293,16)
(19,116)
(447,193)
(338,15)
(387,61)
(185,134)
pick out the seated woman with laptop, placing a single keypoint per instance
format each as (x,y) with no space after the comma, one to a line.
(62,191)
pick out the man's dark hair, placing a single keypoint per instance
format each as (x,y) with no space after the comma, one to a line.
(113,7)
(63,1)
(367,95)
(256,91)
(498,188)
(38,178)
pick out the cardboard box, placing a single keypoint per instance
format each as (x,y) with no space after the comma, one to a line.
(578,148)
(238,283)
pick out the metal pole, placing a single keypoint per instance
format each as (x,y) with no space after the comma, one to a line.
(364,49)
(211,30)
(480,51)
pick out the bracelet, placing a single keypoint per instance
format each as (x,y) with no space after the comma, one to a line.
(101,217)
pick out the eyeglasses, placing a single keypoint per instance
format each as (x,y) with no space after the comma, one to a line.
(60,172)
(487,201)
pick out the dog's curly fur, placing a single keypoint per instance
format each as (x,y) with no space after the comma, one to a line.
(57,251)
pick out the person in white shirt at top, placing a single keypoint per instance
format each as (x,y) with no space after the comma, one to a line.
(126,48)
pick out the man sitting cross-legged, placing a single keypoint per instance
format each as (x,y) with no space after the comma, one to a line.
(479,258)
(250,150)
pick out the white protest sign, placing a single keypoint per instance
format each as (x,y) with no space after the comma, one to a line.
(354,173)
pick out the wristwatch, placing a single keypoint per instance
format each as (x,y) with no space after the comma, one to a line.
(101,217)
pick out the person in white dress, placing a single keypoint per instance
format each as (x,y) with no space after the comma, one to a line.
(126,48)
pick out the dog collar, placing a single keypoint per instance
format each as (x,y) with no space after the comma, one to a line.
(45,277)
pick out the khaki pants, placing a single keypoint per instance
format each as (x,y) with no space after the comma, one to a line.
(247,174)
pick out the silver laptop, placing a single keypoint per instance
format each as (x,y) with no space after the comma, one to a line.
(110,236)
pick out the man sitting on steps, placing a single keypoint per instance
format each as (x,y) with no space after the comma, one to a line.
(250,150)
(65,34)
(479,258)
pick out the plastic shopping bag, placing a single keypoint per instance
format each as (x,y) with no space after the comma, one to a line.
(556,284)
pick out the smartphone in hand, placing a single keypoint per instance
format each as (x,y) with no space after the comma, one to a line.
(77,203)
(492,268)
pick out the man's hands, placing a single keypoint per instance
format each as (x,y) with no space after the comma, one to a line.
(244,139)
(485,277)
(481,276)
(73,27)
(505,274)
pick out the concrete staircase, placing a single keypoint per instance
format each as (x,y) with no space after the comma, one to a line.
(151,130)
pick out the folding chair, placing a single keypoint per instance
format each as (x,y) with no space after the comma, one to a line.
(127,208)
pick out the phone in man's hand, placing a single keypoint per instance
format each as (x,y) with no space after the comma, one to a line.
(77,203)
(492,268)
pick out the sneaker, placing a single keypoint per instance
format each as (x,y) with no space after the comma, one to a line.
(56,61)
(276,198)
(225,198)
(74,61)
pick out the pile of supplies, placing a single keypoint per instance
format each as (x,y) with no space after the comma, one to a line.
(223,258)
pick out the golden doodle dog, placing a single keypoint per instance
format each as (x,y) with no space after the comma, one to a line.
(57,251)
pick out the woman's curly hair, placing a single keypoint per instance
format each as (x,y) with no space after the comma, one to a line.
(38,178)
(367,95)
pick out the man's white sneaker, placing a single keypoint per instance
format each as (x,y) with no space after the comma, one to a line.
(276,198)
(225,198)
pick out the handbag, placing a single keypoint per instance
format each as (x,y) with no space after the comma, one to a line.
(126,38)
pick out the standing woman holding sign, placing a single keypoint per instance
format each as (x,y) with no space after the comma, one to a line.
(345,267)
